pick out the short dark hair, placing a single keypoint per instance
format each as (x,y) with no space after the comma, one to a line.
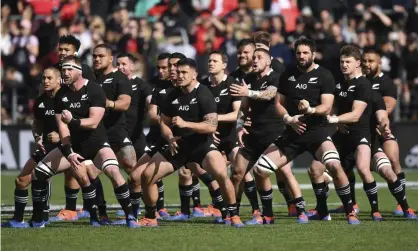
(187,62)
(163,56)
(307,42)
(262,50)
(351,50)
(126,55)
(262,37)
(222,54)
(55,70)
(177,55)
(107,47)
(372,51)
(245,42)
(76,60)
(70,39)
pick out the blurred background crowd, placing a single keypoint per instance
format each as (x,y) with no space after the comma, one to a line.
(30,30)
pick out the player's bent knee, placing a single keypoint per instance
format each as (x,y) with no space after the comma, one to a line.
(43,171)
(265,165)
(381,163)
(329,157)
(109,164)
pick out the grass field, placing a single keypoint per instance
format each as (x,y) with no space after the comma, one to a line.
(199,234)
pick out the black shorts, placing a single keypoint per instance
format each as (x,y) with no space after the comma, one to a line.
(88,149)
(118,138)
(347,144)
(383,139)
(227,144)
(376,145)
(39,154)
(155,144)
(140,144)
(292,144)
(254,147)
(188,153)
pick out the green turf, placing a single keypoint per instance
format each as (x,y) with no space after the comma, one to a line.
(199,234)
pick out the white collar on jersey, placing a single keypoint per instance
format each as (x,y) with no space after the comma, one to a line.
(270,71)
(115,70)
(380,74)
(197,85)
(134,77)
(224,78)
(316,66)
(360,75)
(86,82)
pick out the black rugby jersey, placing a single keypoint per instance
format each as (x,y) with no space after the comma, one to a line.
(377,104)
(347,92)
(114,84)
(191,107)
(297,85)
(223,101)
(79,103)
(44,112)
(384,85)
(136,112)
(263,115)
(160,91)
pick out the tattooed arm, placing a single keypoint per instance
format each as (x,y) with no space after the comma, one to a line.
(208,125)
(267,94)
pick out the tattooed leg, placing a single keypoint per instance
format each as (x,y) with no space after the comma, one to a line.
(127,158)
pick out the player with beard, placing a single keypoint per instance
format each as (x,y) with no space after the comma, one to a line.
(45,133)
(140,101)
(79,108)
(301,87)
(164,84)
(372,67)
(262,132)
(69,45)
(188,119)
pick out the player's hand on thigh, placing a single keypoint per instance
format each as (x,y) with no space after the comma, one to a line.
(297,125)
(240,132)
(74,160)
(216,140)
(173,145)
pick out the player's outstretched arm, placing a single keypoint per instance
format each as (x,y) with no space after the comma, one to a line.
(354,115)
(165,124)
(95,116)
(153,114)
(267,94)
(232,116)
(63,130)
(36,127)
(327,100)
(207,126)
(121,104)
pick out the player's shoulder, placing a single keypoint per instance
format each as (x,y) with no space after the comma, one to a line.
(92,86)
(324,72)
(385,79)
(251,76)
(364,82)
(202,89)
(277,65)
(118,75)
(205,81)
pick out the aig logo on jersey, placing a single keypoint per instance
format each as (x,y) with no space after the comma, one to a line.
(301,86)
(75,105)
(50,112)
(184,108)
